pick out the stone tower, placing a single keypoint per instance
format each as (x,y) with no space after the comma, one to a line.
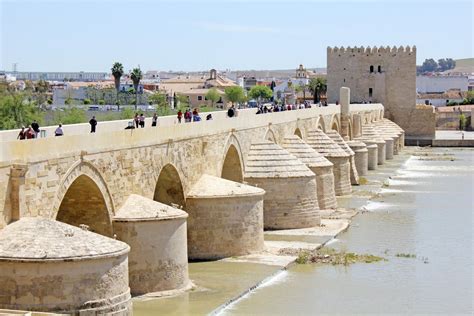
(380,75)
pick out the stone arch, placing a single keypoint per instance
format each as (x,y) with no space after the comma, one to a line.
(320,124)
(334,124)
(232,165)
(83,198)
(169,187)
(270,135)
(298,133)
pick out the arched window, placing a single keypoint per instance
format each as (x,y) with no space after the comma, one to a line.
(371,69)
(379,68)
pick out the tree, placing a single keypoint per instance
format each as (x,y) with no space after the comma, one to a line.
(234,94)
(160,101)
(136,75)
(70,115)
(16,110)
(213,96)
(117,72)
(429,65)
(462,121)
(317,86)
(442,64)
(260,92)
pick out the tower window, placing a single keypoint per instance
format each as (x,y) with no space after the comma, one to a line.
(379,68)
(344,79)
(371,69)
(370,92)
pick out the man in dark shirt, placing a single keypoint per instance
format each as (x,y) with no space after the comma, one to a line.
(93,123)
(36,128)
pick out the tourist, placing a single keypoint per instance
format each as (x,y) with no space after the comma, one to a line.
(230,112)
(154,120)
(36,128)
(142,120)
(93,123)
(59,130)
(29,134)
(196,117)
(187,116)
(22,134)
(180,115)
(136,120)
(130,125)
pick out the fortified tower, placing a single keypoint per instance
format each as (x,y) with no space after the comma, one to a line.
(380,75)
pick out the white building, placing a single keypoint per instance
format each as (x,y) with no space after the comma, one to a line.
(440,84)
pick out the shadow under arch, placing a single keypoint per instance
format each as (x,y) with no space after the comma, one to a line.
(270,136)
(86,200)
(169,188)
(321,124)
(232,166)
(298,133)
(335,123)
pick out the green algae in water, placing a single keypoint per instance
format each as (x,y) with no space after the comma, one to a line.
(331,256)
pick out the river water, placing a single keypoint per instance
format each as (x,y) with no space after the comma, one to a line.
(425,209)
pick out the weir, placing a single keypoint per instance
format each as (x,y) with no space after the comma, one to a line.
(135,184)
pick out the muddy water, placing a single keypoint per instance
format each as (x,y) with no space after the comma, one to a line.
(425,209)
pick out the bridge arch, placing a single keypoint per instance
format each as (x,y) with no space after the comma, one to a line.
(232,162)
(83,198)
(334,123)
(270,135)
(169,187)
(298,133)
(320,124)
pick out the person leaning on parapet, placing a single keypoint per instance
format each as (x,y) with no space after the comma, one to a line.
(21,134)
(180,115)
(154,120)
(93,123)
(59,131)
(36,128)
(142,120)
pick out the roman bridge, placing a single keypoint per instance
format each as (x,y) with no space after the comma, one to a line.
(84,178)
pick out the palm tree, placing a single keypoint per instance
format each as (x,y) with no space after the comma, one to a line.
(117,72)
(136,75)
(317,86)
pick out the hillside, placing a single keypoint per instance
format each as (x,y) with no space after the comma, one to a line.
(465,65)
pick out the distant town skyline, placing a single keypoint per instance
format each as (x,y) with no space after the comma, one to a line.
(236,35)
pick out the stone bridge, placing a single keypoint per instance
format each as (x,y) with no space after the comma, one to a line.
(85,178)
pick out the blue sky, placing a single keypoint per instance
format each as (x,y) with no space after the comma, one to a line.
(199,35)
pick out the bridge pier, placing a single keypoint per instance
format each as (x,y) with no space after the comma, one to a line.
(291,195)
(156,234)
(225,219)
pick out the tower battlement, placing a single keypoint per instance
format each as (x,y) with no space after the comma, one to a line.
(409,50)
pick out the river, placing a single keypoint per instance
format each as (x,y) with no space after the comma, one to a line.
(425,210)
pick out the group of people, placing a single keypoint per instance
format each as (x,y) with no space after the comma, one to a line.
(31,132)
(281,107)
(191,116)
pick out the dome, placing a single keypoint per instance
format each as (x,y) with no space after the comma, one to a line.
(139,208)
(298,148)
(214,187)
(268,160)
(42,239)
(324,145)
(340,141)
